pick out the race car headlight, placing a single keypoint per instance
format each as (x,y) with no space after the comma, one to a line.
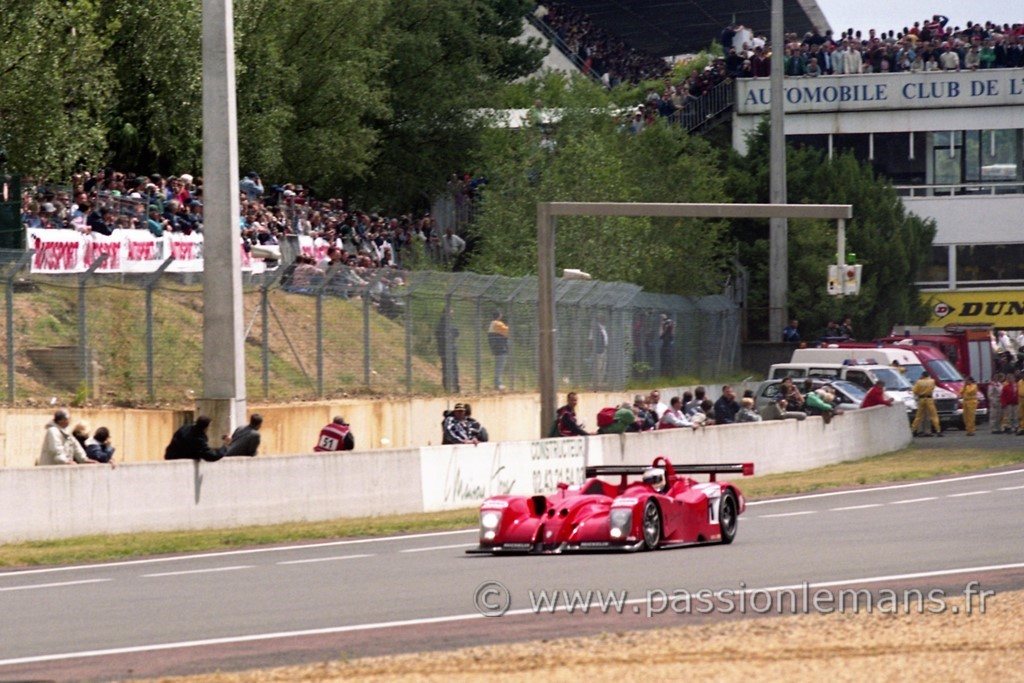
(620,522)
(490,519)
(489,522)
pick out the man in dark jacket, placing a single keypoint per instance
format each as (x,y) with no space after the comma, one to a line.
(191,443)
(246,439)
(726,407)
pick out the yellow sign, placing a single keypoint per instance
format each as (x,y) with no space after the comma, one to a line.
(965,307)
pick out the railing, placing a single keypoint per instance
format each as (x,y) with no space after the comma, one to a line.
(707,108)
(984,188)
(557,41)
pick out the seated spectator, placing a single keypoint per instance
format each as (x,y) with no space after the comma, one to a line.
(335,436)
(81,433)
(673,417)
(98,447)
(793,397)
(246,439)
(454,427)
(654,403)
(474,428)
(726,406)
(625,420)
(692,405)
(705,414)
(746,412)
(876,396)
(645,417)
(190,442)
(566,423)
(60,447)
(816,404)
(779,410)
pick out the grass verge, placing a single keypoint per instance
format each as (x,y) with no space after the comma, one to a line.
(905,465)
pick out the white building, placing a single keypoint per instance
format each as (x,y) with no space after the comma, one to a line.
(952,143)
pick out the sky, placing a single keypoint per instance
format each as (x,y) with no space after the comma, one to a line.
(895,14)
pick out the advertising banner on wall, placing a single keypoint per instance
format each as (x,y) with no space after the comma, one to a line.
(461,477)
(127,251)
(1002,308)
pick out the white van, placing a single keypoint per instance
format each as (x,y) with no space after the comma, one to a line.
(858,372)
(908,360)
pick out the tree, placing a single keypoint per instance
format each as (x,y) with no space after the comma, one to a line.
(157,123)
(445,59)
(590,155)
(309,88)
(891,243)
(55,86)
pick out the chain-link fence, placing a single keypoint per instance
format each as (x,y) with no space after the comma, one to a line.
(137,339)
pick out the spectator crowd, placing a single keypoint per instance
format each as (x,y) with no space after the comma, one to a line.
(110,200)
(927,45)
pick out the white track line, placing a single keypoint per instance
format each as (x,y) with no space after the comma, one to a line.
(968,493)
(437,547)
(913,500)
(788,514)
(329,544)
(327,559)
(199,571)
(227,553)
(52,585)
(1011,488)
(35,659)
(857,507)
(892,487)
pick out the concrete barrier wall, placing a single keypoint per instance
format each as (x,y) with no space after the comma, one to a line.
(61,502)
(776,446)
(142,435)
(58,502)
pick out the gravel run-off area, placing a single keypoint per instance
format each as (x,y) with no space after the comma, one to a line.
(950,645)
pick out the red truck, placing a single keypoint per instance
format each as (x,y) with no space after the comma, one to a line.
(969,348)
(930,356)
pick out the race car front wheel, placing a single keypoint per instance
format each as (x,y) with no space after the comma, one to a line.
(727,516)
(652,525)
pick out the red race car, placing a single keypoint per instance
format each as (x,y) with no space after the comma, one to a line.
(663,509)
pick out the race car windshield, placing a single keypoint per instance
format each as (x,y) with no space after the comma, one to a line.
(943,371)
(894,381)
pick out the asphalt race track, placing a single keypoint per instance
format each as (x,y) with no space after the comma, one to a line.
(306,603)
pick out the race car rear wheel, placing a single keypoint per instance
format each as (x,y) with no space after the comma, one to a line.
(728,515)
(652,525)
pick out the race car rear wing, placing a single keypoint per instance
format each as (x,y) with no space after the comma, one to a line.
(745,469)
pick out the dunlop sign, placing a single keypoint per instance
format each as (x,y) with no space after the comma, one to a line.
(1002,309)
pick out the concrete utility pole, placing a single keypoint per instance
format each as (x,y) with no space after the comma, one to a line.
(223,396)
(778,253)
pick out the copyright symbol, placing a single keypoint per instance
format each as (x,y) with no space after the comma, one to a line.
(492,599)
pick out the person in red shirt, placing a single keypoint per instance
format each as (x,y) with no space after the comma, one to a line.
(876,396)
(1008,400)
(337,436)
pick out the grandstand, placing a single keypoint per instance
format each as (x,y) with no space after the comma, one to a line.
(676,27)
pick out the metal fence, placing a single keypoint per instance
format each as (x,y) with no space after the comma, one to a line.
(137,340)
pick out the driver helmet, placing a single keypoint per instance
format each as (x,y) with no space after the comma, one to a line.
(655,477)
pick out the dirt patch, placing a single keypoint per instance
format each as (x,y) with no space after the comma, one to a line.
(839,647)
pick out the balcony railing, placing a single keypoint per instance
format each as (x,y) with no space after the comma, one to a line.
(961,190)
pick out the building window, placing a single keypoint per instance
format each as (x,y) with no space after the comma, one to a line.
(993,263)
(975,156)
(936,269)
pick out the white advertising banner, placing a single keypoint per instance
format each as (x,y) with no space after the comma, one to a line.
(462,476)
(127,251)
(887,91)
